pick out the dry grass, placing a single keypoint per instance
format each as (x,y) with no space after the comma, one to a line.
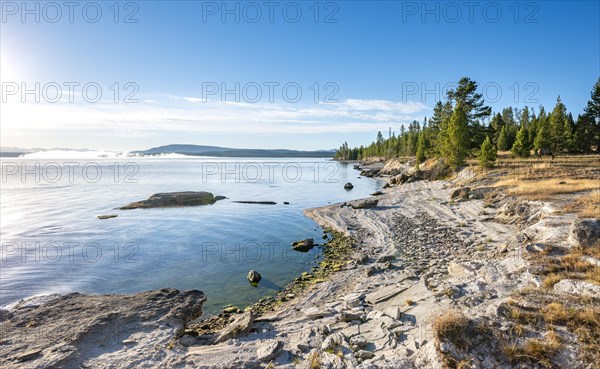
(573,182)
(579,315)
(572,265)
(587,205)
(547,188)
(452,327)
(551,280)
(543,350)
(315,360)
(555,313)
(463,364)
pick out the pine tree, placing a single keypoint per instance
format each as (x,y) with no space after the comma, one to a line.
(592,111)
(583,138)
(474,107)
(557,126)
(472,103)
(593,106)
(543,139)
(487,154)
(520,147)
(568,128)
(497,123)
(504,142)
(422,147)
(458,137)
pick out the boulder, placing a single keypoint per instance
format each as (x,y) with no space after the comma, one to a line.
(254,276)
(364,354)
(348,186)
(386,258)
(358,342)
(172,199)
(460,193)
(268,350)
(333,341)
(377,193)
(404,178)
(350,316)
(304,245)
(365,204)
(369,173)
(234,309)
(585,232)
(239,326)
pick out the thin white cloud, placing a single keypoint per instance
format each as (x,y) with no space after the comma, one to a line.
(188,114)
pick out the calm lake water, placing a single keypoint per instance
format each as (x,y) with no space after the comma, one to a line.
(52,241)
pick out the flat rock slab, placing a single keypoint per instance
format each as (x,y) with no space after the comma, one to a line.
(575,287)
(385,294)
(69,330)
(173,199)
(460,270)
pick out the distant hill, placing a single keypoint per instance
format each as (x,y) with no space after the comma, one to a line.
(200,150)
(14,151)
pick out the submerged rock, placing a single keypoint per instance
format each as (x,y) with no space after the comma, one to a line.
(348,186)
(257,202)
(172,199)
(107,216)
(304,245)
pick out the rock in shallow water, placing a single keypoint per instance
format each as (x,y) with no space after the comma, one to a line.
(172,199)
(257,202)
(254,276)
(303,245)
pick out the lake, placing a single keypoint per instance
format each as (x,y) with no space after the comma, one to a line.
(53,242)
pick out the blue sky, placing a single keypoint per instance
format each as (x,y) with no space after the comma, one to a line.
(370,62)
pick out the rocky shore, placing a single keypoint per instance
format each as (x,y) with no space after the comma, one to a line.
(423,249)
